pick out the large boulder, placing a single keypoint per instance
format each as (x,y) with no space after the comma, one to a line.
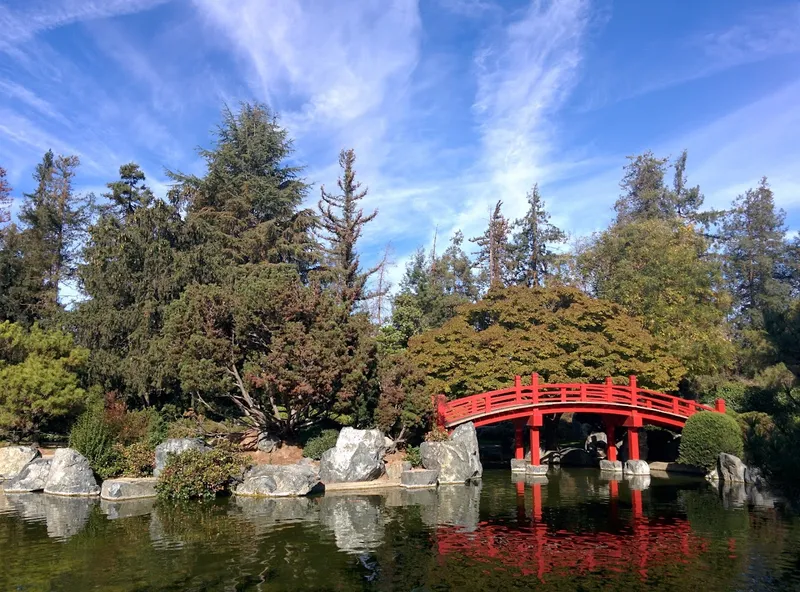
(174,446)
(456,460)
(596,444)
(419,478)
(128,489)
(14,458)
(395,469)
(730,468)
(71,474)
(33,477)
(279,481)
(357,456)
(636,467)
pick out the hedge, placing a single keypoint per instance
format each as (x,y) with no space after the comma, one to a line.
(705,435)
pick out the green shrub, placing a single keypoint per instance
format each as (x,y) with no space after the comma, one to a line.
(183,428)
(318,445)
(137,459)
(414,456)
(197,474)
(94,439)
(705,435)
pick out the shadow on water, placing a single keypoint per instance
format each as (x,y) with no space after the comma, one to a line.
(572,530)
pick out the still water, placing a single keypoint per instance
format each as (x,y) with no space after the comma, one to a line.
(576,531)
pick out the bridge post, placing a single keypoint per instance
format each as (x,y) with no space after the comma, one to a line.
(519,451)
(611,447)
(633,443)
(632,385)
(719,405)
(535,424)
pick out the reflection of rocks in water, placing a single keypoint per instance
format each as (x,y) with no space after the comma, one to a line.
(264,513)
(127,508)
(64,516)
(638,482)
(400,497)
(459,505)
(357,522)
(739,495)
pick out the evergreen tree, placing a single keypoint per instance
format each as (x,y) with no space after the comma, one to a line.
(753,235)
(246,208)
(5,197)
(531,248)
(54,220)
(344,223)
(133,268)
(494,253)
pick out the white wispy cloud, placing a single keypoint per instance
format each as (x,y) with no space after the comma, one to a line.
(35,16)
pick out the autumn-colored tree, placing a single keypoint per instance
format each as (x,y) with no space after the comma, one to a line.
(561,333)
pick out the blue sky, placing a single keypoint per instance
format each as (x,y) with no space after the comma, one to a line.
(450,104)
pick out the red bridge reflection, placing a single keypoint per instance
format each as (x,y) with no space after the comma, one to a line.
(533,547)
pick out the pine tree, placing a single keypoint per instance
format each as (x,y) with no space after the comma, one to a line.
(54,219)
(344,221)
(531,247)
(129,193)
(753,235)
(5,197)
(494,252)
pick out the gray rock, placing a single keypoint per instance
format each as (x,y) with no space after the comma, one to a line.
(419,478)
(456,460)
(14,458)
(536,470)
(519,465)
(357,456)
(70,474)
(611,466)
(116,510)
(174,446)
(278,481)
(267,442)
(636,467)
(357,522)
(395,468)
(730,468)
(33,477)
(128,489)
(712,476)
(596,443)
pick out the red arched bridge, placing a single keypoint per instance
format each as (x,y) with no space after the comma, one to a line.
(620,406)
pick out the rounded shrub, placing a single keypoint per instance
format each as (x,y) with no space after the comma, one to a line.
(318,445)
(705,435)
(414,456)
(199,474)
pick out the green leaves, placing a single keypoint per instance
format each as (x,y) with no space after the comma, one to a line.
(39,373)
(560,333)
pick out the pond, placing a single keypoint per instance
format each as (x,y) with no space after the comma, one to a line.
(576,531)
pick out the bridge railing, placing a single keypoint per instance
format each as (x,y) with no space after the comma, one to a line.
(544,395)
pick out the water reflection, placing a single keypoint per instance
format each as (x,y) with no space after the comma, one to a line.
(569,530)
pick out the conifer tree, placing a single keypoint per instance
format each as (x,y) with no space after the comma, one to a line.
(533,258)
(343,221)
(494,254)
(5,197)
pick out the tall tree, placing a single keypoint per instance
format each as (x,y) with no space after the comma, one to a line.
(343,221)
(755,250)
(246,208)
(494,253)
(133,268)
(54,218)
(531,248)
(5,197)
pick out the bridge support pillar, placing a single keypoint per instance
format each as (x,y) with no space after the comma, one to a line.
(535,425)
(611,442)
(519,451)
(633,443)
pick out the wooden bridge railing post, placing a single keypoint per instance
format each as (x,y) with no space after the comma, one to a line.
(535,387)
(518,388)
(583,392)
(609,388)
(719,405)
(632,386)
